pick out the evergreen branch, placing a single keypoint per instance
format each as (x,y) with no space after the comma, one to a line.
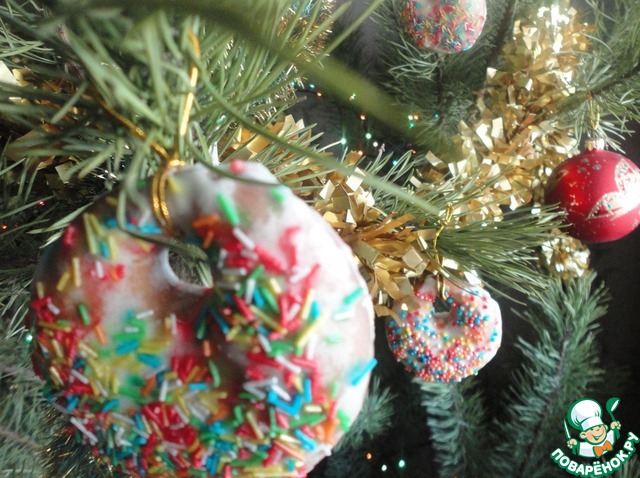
(325,161)
(503,27)
(631,469)
(556,370)
(504,251)
(344,33)
(609,76)
(374,419)
(20,440)
(21,404)
(455,419)
(64,457)
(510,261)
(334,76)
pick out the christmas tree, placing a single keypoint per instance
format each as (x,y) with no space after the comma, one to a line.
(427,152)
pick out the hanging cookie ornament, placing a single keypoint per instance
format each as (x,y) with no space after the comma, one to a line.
(445,346)
(258,375)
(600,193)
(444,26)
(267,368)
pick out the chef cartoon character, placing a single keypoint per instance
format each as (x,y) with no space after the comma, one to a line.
(586,416)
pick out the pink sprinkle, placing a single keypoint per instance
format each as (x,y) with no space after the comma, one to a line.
(288,245)
(70,235)
(253,373)
(294,324)
(310,280)
(283,304)
(303,362)
(290,377)
(244,454)
(271,263)
(317,390)
(306,429)
(237,166)
(282,420)
(264,360)
(244,308)
(271,458)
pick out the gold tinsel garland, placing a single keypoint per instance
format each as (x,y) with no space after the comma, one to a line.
(519,135)
(518,125)
(516,143)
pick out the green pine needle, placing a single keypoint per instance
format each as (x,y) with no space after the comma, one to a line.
(374,419)
(557,369)
(455,419)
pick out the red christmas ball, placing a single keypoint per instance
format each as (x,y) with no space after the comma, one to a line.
(600,193)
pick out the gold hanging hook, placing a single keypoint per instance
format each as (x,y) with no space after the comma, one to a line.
(444,222)
(193,82)
(159,180)
(158,189)
(594,113)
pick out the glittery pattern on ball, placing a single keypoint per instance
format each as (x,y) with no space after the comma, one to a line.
(600,192)
(444,26)
(446,346)
(190,381)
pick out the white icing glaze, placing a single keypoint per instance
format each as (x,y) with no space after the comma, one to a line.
(139,282)
(446,346)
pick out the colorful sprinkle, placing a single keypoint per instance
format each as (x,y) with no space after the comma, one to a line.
(146,381)
(228,209)
(359,372)
(446,346)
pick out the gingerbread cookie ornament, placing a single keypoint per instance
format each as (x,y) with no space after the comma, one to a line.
(261,373)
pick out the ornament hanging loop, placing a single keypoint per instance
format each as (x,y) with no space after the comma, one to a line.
(593,142)
(170,161)
(159,180)
(444,222)
(193,82)
(594,114)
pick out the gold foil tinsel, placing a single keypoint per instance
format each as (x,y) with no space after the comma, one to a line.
(391,251)
(512,148)
(518,136)
(564,256)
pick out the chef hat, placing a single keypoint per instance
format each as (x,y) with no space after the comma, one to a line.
(585,414)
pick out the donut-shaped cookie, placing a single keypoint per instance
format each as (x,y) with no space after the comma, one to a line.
(444,26)
(446,346)
(258,375)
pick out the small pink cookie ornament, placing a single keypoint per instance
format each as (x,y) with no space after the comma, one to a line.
(444,26)
(258,375)
(445,346)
